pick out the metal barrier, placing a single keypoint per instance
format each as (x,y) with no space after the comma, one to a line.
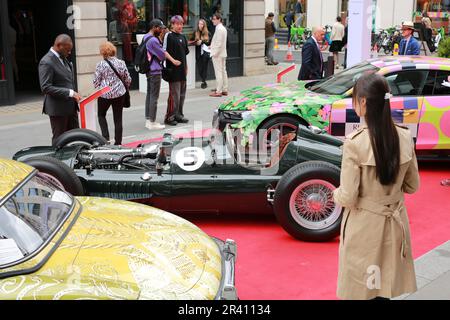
(284,72)
(88,110)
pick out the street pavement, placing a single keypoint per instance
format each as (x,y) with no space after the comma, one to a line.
(433,275)
(24,125)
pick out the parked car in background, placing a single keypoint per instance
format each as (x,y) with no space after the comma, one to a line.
(421,101)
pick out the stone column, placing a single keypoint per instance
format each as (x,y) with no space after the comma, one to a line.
(91,32)
(359,31)
(254,37)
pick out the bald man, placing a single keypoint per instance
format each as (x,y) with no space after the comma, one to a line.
(57,82)
(312,60)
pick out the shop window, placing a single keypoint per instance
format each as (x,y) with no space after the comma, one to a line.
(127,18)
(433,6)
(437,10)
(231,13)
(285,5)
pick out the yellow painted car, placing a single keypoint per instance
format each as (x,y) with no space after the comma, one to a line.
(55,246)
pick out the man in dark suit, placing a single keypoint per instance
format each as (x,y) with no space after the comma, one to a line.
(312,60)
(57,82)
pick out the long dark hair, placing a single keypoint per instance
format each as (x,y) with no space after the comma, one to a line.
(382,131)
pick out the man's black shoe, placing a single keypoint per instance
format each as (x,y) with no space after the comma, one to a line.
(182,120)
(171,122)
(204,85)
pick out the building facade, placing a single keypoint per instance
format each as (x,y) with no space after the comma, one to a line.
(29,27)
(388,12)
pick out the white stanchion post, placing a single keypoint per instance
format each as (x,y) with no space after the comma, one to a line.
(359,31)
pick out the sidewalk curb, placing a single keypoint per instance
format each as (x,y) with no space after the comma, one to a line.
(432,275)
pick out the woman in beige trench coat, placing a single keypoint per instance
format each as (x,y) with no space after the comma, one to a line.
(375,259)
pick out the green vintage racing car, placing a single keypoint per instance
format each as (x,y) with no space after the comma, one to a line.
(294,179)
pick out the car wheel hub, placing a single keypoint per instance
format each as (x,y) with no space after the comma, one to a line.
(311,205)
(315,202)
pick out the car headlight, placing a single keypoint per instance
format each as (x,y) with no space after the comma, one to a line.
(233,115)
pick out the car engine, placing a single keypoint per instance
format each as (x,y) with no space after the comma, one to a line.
(152,156)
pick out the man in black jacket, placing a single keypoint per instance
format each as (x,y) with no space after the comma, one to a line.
(312,60)
(289,20)
(175,44)
(57,82)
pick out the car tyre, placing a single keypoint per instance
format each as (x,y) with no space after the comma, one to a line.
(79,136)
(303,202)
(59,173)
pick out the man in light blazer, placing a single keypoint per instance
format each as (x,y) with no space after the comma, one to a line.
(57,81)
(219,56)
(409,46)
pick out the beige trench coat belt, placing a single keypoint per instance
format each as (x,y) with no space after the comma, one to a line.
(379,206)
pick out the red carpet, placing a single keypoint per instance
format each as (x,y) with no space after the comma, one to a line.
(272,265)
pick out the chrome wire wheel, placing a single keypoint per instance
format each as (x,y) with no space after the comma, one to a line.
(312,206)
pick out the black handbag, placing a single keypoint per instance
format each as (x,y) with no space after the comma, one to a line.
(126,96)
(166,73)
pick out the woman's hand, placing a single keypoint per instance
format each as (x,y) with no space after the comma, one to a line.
(199,42)
(176,63)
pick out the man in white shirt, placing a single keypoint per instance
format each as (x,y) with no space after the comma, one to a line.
(219,56)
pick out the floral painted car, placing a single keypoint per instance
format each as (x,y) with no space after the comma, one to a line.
(421,101)
(55,246)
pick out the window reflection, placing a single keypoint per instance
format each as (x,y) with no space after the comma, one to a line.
(130,17)
(33,213)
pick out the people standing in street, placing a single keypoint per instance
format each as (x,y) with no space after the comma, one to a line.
(345,43)
(337,35)
(156,56)
(270,31)
(176,45)
(113,73)
(379,165)
(219,56)
(202,41)
(428,34)
(298,13)
(312,59)
(289,20)
(57,81)
(409,46)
